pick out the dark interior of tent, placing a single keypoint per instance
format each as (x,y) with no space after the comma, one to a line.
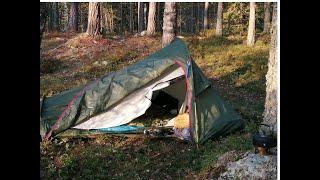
(166,104)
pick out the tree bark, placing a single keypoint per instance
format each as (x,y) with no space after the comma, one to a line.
(169,23)
(121,18)
(200,16)
(270,111)
(192,19)
(140,17)
(111,19)
(219,19)
(145,15)
(102,20)
(205,18)
(251,28)
(66,16)
(43,19)
(82,25)
(158,11)
(266,21)
(53,17)
(196,9)
(94,25)
(213,14)
(151,29)
(180,17)
(73,20)
(131,17)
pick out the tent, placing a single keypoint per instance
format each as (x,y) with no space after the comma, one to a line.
(109,103)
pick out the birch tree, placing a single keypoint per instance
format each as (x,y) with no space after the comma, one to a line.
(169,20)
(251,28)
(151,29)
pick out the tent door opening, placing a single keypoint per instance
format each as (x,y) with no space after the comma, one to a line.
(166,104)
(169,91)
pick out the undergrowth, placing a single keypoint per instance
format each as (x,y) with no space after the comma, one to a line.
(236,71)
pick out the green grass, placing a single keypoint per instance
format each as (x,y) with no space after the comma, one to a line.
(139,158)
(237,72)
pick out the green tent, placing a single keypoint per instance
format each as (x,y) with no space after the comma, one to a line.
(113,100)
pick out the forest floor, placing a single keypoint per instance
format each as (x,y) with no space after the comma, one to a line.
(237,72)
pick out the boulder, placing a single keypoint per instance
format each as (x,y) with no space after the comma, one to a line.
(143,33)
(96,63)
(252,166)
(105,63)
(220,166)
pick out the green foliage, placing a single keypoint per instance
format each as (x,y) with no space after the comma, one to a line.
(238,71)
(236,18)
(116,157)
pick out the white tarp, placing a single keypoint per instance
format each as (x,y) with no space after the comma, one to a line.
(131,106)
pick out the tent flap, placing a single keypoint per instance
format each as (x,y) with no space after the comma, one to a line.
(84,107)
(215,117)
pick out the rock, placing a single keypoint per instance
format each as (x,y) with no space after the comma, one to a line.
(223,160)
(143,33)
(96,63)
(252,166)
(136,35)
(227,157)
(104,63)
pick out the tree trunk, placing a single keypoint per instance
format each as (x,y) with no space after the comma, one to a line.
(158,16)
(270,111)
(213,14)
(131,17)
(192,20)
(196,10)
(251,28)
(145,15)
(180,18)
(205,18)
(219,19)
(200,16)
(94,25)
(121,18)
(43,19)
(151,29)
(73,20)
(169,20)
(53,17)
(266,22)
(81,19)
(102,20)
(140,17)
(111,20)
(242,18)
(66,16)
